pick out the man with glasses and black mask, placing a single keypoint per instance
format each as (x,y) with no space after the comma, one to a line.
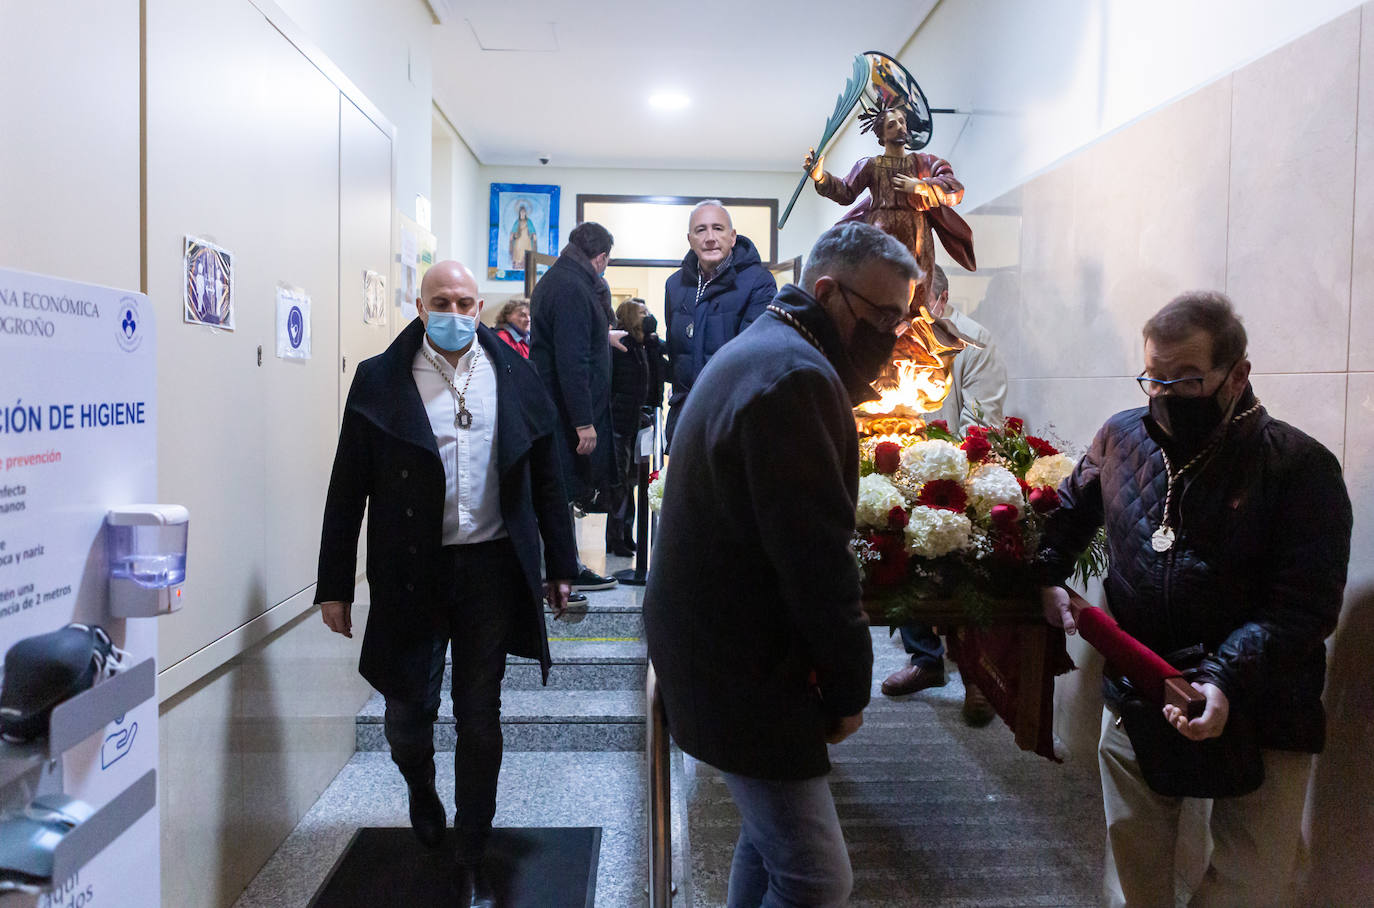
(752,610)
(1229,535)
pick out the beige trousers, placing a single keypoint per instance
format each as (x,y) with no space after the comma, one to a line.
(1255,838)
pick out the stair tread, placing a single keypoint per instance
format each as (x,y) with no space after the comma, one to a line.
(543,706)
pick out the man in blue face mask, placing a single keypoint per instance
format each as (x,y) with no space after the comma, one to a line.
(448,440)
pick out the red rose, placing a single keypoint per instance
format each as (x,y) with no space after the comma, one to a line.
(1009,546)
(976,432)
(944,495)
(1025,486)
(1014,426)
(939,424)
(1041,447)
(653,475)
(1044,499)
(1004,516)
(887,457)
(897,518)
(976,448)
(891,566)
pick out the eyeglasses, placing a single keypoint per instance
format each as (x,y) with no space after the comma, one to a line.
(887,320)
(1191,386)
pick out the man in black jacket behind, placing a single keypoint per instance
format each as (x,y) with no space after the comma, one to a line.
(720,289)
(449,441)
(1228,534)
(570,322)
(752,610)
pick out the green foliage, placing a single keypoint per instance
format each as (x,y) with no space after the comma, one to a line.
(1092,561)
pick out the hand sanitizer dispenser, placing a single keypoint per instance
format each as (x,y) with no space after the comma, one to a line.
(146,545)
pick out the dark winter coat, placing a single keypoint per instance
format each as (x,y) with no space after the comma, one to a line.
(1256,572)
(629,386)
(736,296)
(752,609)
(388,463)
(570,316)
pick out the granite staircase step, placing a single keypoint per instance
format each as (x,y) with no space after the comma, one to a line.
(539,720)
(578,664)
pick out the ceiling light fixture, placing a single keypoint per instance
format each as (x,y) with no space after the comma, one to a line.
(668,100)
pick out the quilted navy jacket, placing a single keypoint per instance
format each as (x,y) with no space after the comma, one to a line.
(1255,576)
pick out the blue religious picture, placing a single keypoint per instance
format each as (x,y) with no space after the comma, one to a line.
(524,218)
(293,323)
(208,291)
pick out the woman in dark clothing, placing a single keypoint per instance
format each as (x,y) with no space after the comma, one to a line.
(630,393)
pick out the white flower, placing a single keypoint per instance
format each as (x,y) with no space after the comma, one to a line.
(656,490)
(927,460)
(932,532)
(991,485)
(877,496)
(1049,471)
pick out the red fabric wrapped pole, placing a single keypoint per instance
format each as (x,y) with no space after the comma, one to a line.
(1151,675)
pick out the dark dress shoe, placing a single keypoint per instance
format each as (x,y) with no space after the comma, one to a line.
(977,710)
(620,548)
(474,887)
(913,678)
(427,816)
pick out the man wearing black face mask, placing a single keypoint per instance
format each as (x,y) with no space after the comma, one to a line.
(1229,536)
(752,609)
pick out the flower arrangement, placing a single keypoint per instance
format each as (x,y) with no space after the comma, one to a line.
(656,480)
(957,519)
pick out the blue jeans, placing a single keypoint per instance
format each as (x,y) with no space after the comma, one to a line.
(791,851)
(924,645)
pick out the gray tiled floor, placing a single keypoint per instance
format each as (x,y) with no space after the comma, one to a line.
(536,789)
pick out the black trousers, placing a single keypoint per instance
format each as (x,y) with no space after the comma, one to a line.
(485,592)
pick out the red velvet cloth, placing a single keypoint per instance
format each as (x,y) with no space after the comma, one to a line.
(1127,655)
(997,659)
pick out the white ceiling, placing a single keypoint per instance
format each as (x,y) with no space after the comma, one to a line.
(524,78)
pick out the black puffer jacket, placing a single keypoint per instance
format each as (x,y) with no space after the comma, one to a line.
(1256,574)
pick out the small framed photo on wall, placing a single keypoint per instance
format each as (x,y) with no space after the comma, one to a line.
(524,216)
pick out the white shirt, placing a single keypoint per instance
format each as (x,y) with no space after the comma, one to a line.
(472,494)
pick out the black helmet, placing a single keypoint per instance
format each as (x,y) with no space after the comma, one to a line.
(42,671)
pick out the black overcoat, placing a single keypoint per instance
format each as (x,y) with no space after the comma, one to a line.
(387,461)
(752,609)
(569,320)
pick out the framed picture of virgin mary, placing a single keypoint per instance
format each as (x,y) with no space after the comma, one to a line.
(524,217)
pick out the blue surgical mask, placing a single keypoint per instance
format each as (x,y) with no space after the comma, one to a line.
(450,331)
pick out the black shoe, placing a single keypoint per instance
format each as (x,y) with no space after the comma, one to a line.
(623,549)
(427,816)
(591,580)
(474,888)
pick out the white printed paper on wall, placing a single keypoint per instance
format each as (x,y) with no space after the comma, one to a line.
(76,442)
(374,298)
(208,285)
(293,323)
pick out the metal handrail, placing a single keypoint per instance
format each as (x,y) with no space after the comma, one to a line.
(660,794)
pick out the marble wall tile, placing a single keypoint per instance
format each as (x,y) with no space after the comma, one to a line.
(1362,260)
(1292,198)
(1313,402)
(1359,480)
(1070,409)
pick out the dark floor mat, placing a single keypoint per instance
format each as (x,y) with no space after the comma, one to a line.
(538,867)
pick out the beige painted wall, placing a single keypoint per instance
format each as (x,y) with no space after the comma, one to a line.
(1201,195)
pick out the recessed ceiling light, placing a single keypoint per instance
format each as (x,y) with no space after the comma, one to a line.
(668,100)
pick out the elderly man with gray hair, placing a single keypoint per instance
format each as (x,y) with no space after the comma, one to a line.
(752,610)
(720,289)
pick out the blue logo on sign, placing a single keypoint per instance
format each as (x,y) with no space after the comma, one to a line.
(129,333)
(295,327)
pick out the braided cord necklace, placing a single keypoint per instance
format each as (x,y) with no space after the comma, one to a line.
(1163,538)
(790,319)
(463,419)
